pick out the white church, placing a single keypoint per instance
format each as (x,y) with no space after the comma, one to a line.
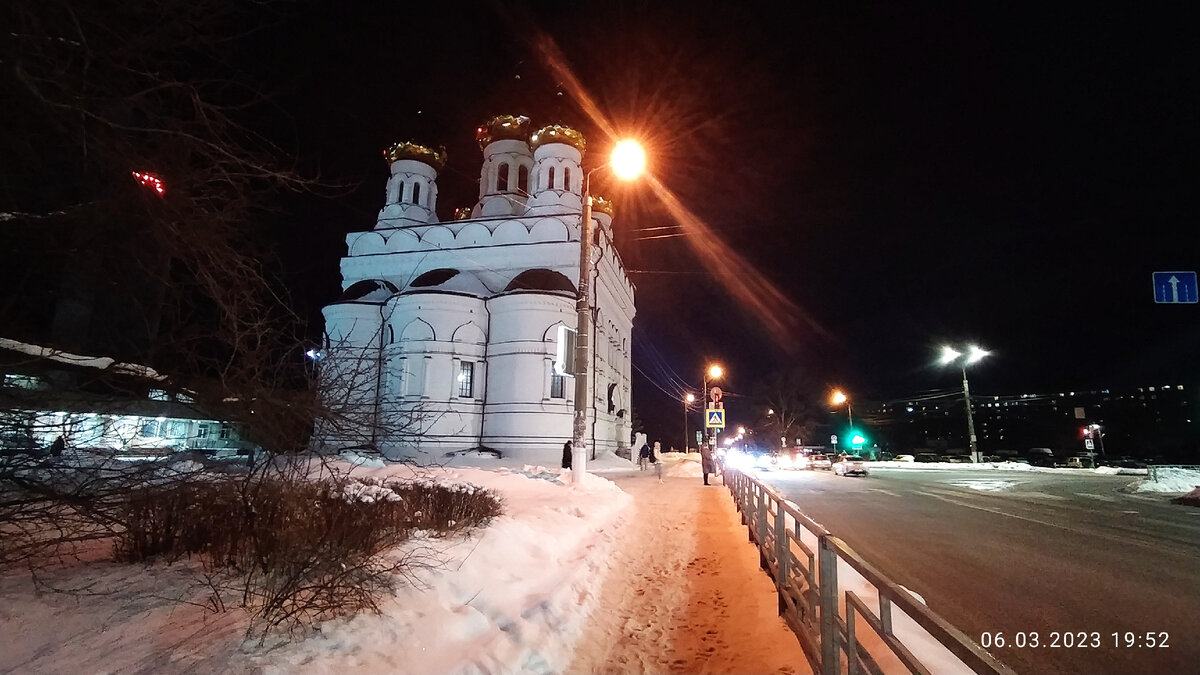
(457,335)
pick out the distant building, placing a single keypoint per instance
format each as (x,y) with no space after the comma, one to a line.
(458,335)
(1148,421)
(97,404)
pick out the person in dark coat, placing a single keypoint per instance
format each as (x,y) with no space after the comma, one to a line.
(57,447)
(706,461)
(566,463)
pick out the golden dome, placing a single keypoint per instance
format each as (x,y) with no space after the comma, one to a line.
(420,153)
(602,205)
(556,133)
(462,213)
(501,127)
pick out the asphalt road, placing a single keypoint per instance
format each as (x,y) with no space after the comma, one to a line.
(1022,552)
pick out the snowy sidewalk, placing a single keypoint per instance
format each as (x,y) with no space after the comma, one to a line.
(686,594)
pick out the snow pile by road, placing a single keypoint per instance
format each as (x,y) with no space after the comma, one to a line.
(1171,479)
(511,597)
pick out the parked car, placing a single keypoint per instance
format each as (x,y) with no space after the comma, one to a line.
(819,461)
(904,458)
(927,457)
(850,465)
(956,459)
(1080,462)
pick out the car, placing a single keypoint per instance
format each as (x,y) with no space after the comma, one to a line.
(819,461)
(927,457)
(904,458)
(1080,462)
(850,465)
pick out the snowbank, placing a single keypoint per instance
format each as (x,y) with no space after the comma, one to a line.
(1171,479)
(511,597)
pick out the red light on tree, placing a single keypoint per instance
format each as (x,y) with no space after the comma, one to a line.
(149,180)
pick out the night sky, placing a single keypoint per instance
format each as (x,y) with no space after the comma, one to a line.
(904,175)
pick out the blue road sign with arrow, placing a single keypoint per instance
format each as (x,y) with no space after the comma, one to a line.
(1175,288)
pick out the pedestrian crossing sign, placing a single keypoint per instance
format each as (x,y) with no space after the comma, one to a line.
(714,418)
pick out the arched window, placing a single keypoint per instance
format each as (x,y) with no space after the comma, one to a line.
(502,178)
(400,192)
(550,178)
(416,193)
(567,178)
(523,179)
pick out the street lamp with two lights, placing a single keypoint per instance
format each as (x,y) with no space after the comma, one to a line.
(973,355)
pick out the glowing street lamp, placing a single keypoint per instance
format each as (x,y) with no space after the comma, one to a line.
(974,354)
(687,404)
(839,398)
(714,371)
(627,161)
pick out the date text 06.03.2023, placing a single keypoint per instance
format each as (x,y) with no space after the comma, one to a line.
(1074,639)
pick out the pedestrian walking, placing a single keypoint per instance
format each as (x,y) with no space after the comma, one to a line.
(706,461)
(656,458)
(566,461)
(644,457)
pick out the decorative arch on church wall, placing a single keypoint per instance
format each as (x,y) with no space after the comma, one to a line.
(510,232)
(367,242)
(469,333)
(548,229)
(416,329)
(475,234)
(437,236)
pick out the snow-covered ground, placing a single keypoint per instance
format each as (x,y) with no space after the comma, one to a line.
(1003,466)
(513,597)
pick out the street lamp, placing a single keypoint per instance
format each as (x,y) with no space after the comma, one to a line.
(627,161)
(839,398)
(687,405)
(973,355)
(714,371)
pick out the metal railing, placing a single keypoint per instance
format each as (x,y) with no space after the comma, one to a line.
(1155,469)
(846,634)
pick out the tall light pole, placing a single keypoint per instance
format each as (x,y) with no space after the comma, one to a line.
(838,399)
(627,161)
(712,372)
(973,355)
(687,404)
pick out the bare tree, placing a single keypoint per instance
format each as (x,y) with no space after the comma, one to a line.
(787,405)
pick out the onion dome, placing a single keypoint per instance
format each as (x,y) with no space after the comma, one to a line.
(502,127)
(409,150)
(602,205)
(556,133)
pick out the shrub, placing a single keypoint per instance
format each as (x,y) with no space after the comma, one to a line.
(297,551)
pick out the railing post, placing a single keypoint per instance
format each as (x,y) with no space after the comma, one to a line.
(851,642)
(762,517)
(783,554)
(885,614)
(827,559)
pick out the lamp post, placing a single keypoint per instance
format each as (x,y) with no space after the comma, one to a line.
(972,355)
(627,162)
(839,398)
(687,404)
(713,372)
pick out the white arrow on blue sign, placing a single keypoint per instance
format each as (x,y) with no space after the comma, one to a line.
(1175,288)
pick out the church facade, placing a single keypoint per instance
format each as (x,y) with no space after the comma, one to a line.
(458,335)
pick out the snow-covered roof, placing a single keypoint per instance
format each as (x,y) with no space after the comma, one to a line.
(448,281)
(98,362)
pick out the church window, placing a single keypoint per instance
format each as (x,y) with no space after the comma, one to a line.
(502,178)
(416,199)
(523,179)
(466,379)
(564,358)
(567,178)
(557,386)
(400,191)
(550,178)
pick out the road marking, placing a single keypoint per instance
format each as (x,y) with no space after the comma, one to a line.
(1039,495)
(886,492)
(1103,498)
